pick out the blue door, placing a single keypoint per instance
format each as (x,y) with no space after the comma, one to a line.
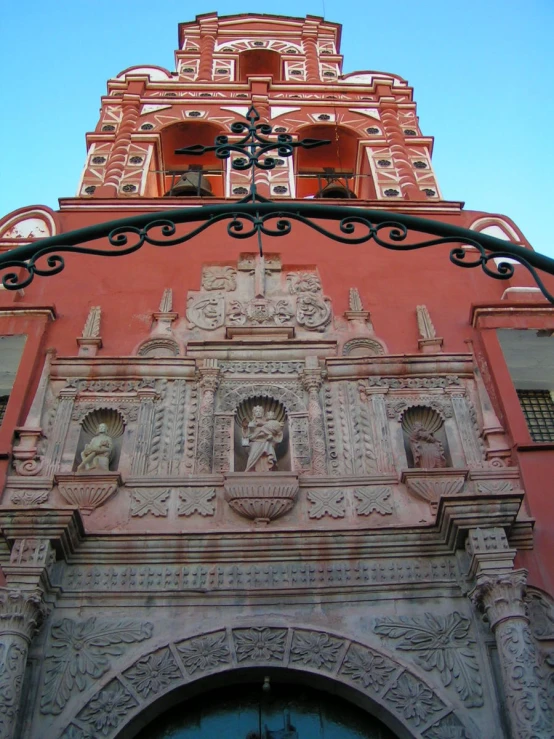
(247,712)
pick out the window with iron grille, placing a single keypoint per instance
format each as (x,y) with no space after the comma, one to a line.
(538,409)
(3,405)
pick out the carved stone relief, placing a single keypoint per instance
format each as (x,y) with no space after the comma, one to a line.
(219,278)
(257,294)
(81,651)
(441,644)
(414,703)
(207,313)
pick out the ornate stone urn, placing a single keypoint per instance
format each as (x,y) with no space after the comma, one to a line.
(88,492)
(431,485)
(261,497)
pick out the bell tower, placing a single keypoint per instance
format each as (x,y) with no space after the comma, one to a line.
(291,70)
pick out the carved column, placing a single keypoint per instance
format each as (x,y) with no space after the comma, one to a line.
(311,381)
(21,614)
(144,430)
(395,139)
(115,166)
(59,430)
(501,597)
(209,381)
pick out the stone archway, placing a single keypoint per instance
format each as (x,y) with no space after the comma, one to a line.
(372,679)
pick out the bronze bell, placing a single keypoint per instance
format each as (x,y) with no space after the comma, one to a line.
(191,184)
(335,190)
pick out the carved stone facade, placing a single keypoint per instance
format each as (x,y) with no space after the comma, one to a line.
(255,464)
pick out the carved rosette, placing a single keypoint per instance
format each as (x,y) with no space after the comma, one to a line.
(502,598)
(261,498)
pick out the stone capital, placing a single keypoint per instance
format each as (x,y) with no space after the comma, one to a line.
(311,379)
(208,379)
(501,596)
(21,612)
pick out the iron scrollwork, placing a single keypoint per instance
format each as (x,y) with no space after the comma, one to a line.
(255,215)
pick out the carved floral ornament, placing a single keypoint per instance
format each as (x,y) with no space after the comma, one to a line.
(396,689)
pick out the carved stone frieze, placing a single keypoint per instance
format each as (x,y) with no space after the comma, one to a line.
(368,668)
(412,383)
(154,673)
(295,574)
(260,644)
(315,649)
(80,652)
(413,700)
(205,653)
(108,709)
(236,367)
(149,501)
(196,500)
(326,502)
(30,497)
(442,644)
(376,499)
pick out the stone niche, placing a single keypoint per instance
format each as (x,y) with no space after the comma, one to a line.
(425,441)
(261,436)
(99,446)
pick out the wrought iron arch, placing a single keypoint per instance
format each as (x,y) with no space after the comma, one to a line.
(257,216)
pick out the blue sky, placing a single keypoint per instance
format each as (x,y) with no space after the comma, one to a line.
(482,71)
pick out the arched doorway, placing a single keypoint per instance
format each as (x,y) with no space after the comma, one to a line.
(266,710)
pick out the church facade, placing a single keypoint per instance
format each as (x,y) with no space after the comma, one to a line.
(267,485)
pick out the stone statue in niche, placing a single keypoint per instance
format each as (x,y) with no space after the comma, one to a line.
(427,450)
(96,454)
(261,435)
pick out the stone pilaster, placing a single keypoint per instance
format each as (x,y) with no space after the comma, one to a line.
(312,61)
(208,382)
(395,139)
(59,430)
(311,381)
(115,166)
(499,593)
(21,613)
(207,44)
(144,430)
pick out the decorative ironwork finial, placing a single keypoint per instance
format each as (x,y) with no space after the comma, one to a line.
(253,148)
